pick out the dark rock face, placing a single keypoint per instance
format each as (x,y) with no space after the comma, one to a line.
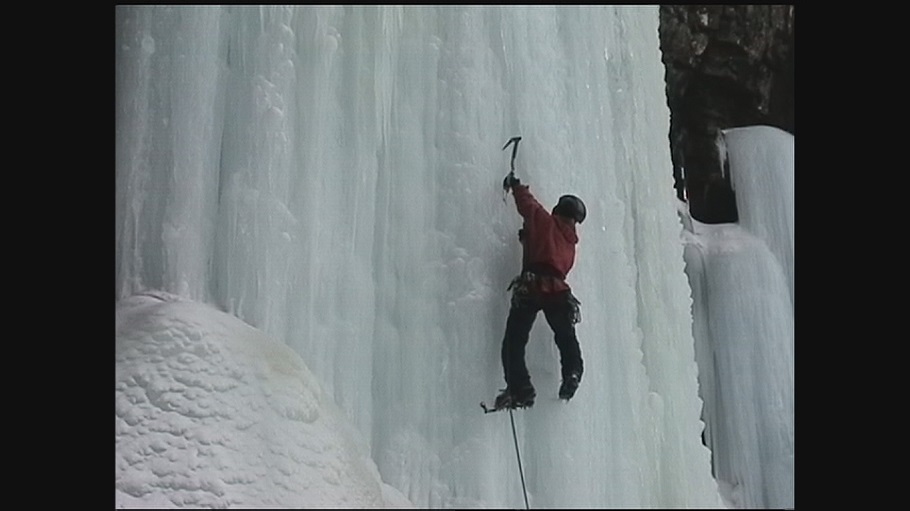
(726,66)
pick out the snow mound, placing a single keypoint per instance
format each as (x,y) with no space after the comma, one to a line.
(212,413)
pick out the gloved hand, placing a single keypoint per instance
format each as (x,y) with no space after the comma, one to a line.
(510,181)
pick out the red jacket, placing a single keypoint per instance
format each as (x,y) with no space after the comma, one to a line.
(549,240)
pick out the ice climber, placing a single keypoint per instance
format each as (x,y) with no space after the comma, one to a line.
(548,253)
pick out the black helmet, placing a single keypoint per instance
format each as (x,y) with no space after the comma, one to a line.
(572,207)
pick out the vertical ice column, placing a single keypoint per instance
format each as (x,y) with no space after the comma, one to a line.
(169,119)
(764,179)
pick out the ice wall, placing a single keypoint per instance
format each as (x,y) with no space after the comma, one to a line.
(742,286)
(331,176)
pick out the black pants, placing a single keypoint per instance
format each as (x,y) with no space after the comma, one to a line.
(559,312)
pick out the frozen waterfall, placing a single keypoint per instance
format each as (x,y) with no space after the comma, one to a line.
(331,176)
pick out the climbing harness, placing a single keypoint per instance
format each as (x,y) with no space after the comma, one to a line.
(522,286)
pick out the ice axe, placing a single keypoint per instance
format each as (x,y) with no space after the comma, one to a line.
(516,140)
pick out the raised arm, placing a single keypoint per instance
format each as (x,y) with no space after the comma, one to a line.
(526,203)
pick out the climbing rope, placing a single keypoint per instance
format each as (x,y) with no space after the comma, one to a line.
(520,471)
